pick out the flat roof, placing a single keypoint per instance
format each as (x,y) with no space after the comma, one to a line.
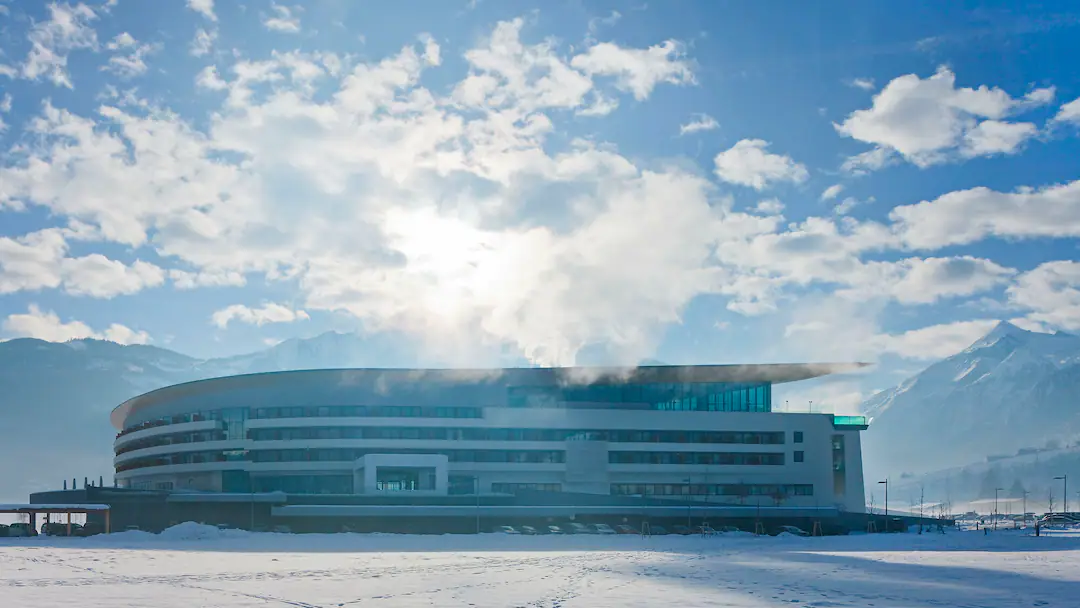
(51,508)
(774,373)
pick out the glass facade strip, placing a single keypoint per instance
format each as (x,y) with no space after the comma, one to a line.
(700,396)
(465,434)
(716,489)
(514,488)
(706,458)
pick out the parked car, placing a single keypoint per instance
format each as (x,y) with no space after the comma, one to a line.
(707,530)
(21,529)
(681,529)
(657,530)
(555,530)
(56,528)
(90,529)
(792,530)
(281,529)
(603,529)
(528,530)
(578,528)
(729,529)
(625,529)
(505,530)
(3,530)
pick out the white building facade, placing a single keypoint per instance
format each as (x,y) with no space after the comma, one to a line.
(706,433)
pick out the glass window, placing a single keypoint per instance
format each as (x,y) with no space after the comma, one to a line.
(798,456)
(798,437)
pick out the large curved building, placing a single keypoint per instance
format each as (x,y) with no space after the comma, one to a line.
(699,432)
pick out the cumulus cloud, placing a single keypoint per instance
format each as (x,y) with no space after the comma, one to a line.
(67,29)
(866,84)
(46,325)
(464,219)
(203,42)
(637,70)
(129,60)
(748,163)
(1051,291)
(966,216)
(267,313)
(282,20)
(203,7)
(935,341)
(701,122)
(832,192)
(1069,112)
(928,121)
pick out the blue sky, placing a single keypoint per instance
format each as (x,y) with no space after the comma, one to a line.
(496,181)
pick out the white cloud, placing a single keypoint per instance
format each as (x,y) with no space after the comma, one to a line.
(1040,97)
(283,20)
(866,84)
(868,161)
(966,216)
(935,341)
(208,78)
(701,122)
(637,70)
(67,29)
(595,23)
(267,313)
(96,276)
(1069,112)
(32,261)
(832,192)
(5,103)
(203,42)
(183,279)
(748,163)
(121,41)
(845,206)
(925,280)
(1051,291)
(927,120)
(131,64)
(203,7)
(996,137)
(46,325)
(463,220)
(769,206)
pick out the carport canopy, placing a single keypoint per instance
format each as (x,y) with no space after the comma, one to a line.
(34,509)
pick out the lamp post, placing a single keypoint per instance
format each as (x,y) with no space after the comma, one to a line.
(688,489)
(886,482)
(1025,507)
(476,484)
(996,516)
(1065,492)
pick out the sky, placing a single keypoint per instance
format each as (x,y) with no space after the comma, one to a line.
(554,183)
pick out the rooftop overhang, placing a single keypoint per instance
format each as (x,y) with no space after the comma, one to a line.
(774,373)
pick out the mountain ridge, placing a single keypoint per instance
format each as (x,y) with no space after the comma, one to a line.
(1000,391)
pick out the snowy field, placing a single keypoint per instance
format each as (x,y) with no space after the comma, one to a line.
(191,566)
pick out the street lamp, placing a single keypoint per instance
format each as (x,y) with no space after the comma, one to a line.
(1025,507)
(886,482)
(1065,480)
(688,489)
(476,484)
(996,490)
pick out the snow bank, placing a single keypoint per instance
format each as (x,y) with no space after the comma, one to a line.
(190,530)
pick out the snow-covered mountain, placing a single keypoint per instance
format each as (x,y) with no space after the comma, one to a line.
(55,397)
(1011,389)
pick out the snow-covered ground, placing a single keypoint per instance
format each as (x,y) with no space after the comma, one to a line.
(196,567)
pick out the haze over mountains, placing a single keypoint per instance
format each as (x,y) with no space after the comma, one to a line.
(1010,391)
